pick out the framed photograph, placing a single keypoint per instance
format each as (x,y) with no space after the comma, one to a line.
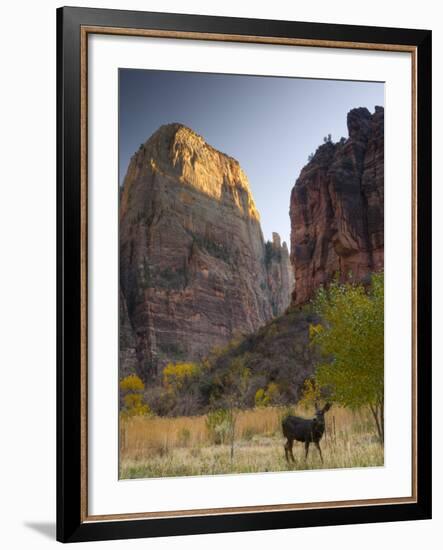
(244,274)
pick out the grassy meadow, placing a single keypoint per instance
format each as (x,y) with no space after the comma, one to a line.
(153,446)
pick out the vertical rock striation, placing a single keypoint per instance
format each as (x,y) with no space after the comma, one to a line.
(337,207)
(127,347)
(193,268)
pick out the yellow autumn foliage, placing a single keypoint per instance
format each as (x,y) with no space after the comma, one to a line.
(131,383)
(267,396)
(177,375)
(131,388)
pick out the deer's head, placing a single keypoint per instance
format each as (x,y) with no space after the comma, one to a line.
(319,417)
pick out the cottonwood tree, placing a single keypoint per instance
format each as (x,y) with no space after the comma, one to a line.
(351,341)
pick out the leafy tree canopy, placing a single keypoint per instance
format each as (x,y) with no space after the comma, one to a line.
(351,341)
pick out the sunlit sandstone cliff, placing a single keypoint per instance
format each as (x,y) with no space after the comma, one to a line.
(193,264)
(337,208)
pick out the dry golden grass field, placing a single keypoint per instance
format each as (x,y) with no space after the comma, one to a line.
(164,447)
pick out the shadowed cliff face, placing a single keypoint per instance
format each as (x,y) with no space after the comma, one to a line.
(280,277)
(337,208)
(193,264)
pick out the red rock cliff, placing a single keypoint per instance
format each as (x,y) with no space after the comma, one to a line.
(337,207)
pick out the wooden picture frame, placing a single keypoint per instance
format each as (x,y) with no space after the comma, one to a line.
(74,25)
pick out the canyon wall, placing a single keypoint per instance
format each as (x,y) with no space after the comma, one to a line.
(194,268)
(337,208)
(280,274)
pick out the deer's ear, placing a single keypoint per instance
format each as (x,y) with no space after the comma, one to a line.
(327,407)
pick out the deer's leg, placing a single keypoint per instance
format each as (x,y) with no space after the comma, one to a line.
(317,444)
(291,444)
(287,450)
(306,449)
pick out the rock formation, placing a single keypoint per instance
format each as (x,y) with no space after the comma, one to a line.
(280,274)
(193,264)
(128,355)
(337,207)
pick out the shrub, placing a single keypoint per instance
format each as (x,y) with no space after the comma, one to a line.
(268,396)
(273,392)
(178,375)
(218,424)
(131,383)
(131,396)
(134,405)
(261,399)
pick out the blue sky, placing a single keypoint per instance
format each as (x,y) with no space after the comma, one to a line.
(269,124)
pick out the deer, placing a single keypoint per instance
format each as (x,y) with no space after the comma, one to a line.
(304,430)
